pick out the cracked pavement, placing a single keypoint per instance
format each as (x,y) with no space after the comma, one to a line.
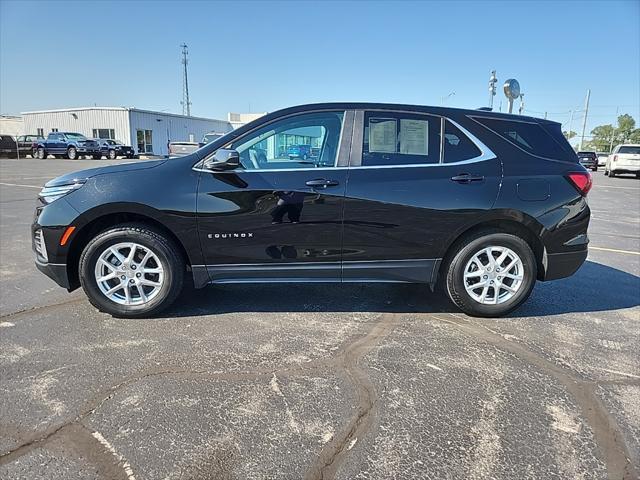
(322,381)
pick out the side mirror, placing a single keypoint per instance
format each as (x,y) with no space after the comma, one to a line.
(223,159)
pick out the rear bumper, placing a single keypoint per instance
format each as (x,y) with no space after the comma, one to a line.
(625,168)
(561,265)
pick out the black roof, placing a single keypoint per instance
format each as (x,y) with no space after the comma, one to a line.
(400,106)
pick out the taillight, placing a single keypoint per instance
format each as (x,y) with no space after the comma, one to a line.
(615,158)
(581,180)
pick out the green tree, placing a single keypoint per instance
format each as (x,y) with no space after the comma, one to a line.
(569,135)
(603,136)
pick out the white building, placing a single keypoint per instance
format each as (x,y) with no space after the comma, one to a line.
(240,119)
(147,131)
(11,125)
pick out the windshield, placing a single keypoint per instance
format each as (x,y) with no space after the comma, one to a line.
(629,149)
(79,136)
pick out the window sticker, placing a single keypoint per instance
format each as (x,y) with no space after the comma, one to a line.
(414,137)
(383,135)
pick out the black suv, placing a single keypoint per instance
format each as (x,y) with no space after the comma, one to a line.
(588,160)
(484,203)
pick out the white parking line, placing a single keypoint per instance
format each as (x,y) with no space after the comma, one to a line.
(622,188)
(614,250)
(20,185)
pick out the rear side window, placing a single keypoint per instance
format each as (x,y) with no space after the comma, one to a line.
(457,146)
(530,137)
(400,139)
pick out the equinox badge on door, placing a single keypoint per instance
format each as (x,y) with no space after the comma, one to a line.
(230,235)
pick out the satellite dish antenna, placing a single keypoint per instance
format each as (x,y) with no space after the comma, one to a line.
(511,91)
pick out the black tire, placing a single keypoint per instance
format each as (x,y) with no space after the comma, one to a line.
(465,249)
(172,263)
(72,153)
(112,155)
(595,169)
(612,174)
(96,157)
(606,172)
(41,153)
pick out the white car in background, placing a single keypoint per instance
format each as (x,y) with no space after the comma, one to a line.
(624,159)
(602,158)
(180,149)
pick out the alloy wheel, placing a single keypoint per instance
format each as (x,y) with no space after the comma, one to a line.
(493,275)
(129,273)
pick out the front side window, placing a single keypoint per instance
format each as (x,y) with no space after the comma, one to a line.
(400,139)
(302,141)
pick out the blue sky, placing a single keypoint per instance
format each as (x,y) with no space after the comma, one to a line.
(261,56)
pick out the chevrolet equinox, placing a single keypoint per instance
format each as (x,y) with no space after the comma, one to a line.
(482,203)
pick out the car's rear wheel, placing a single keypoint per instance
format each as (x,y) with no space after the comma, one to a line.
(72,153)
(40,154)
(612,173)
(131,271)
(96,157)
(112,155)
(490,274)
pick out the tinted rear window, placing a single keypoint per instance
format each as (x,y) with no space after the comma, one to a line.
(531,137)
(633,150)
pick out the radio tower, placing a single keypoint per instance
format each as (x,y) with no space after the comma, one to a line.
(186,104)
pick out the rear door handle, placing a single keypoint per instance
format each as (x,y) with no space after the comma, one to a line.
(321,183)
(467,178)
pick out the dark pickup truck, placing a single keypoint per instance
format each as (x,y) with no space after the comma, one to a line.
(68,144)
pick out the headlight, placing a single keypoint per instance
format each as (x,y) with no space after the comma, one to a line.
(51,194)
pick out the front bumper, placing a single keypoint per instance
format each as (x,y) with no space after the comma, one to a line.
(55,271)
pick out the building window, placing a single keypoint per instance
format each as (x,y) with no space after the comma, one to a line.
(145,141)
(104,133)
(40,132)
(54,129)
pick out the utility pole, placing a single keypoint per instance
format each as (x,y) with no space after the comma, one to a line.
(613,132)
(584,120)
(186,103)
(570,123)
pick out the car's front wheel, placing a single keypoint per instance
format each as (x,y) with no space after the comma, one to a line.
(131,271)
(72,153)
(41,154)
(112,155)
(491,274)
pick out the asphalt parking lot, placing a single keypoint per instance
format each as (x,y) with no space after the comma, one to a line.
(322,381)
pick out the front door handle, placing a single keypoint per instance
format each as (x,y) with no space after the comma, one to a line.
(467,178)
(321,183)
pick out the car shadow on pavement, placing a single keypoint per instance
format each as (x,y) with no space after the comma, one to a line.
(595,287)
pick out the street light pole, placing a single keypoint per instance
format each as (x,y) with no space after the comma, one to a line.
(584,120)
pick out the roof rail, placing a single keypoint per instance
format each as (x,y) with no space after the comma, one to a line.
(485,109)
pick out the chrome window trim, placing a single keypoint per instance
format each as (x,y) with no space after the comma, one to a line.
(485,152)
